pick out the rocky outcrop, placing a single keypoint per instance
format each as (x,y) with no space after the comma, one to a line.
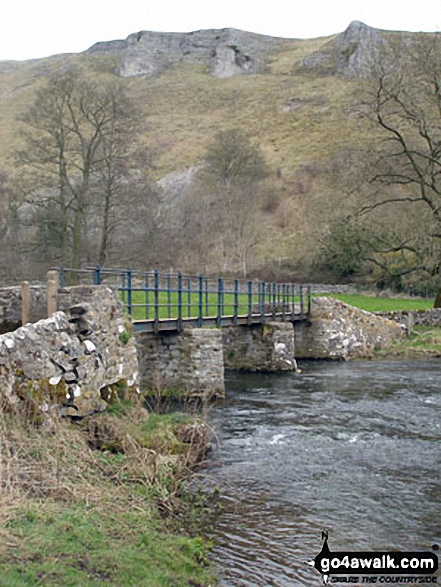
(225,52)
(340,331)
(351,53)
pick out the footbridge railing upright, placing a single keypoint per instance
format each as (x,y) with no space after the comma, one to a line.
(159,301)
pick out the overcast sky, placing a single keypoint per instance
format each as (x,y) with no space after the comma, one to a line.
(39,28)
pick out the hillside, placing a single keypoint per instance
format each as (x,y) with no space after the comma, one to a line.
(295,98)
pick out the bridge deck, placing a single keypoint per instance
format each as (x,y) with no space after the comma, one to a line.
(176,324)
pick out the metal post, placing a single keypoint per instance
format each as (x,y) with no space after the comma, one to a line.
(97,275)
(274,299)
(189,297)
(168,296)
(147,296)
(236,301)
(179,301)
(123,287)
(302,306)
(62,278)
(293,301)
(250,301)
(220,285)
(262,299)
(156,293)
(207,305)
(129,291)
(201,301)
(308,290)
(284,302)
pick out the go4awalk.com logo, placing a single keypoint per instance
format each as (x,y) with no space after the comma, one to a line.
(390,567)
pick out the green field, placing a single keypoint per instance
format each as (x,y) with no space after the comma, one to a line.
(380,304)
(143,305)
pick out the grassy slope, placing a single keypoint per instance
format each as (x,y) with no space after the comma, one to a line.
(185,106)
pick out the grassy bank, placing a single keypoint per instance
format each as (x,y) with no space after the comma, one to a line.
(424,341)
(101,501)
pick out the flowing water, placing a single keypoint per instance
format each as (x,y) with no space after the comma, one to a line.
(350,448)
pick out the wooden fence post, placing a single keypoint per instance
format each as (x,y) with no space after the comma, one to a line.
(52,292)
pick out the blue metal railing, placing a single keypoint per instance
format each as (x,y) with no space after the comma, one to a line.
(172,300)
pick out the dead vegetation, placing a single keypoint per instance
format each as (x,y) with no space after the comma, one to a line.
(67,460)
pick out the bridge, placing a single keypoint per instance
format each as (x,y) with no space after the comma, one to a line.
(158,301)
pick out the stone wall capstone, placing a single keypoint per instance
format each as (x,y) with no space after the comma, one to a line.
(340,331)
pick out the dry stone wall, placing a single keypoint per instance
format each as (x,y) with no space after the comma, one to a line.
(340,331)
(410,318)
(10,306)
(67,363)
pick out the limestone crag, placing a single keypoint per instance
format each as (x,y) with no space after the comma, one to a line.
(352,53)
(225,52)
(340,331)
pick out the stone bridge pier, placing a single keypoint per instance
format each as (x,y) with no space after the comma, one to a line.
(195,359)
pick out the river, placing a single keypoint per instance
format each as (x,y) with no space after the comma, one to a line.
(348,448)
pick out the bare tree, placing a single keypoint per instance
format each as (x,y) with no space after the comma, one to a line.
(391,216)
(76,142)
(233,159)
(405,101)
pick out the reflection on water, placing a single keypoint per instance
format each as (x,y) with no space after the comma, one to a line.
(352,448)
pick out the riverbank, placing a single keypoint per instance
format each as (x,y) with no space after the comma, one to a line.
(101,500)
(423,341)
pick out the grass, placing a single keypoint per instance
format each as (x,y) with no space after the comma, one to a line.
(380,304)
(143,306)
(93,503)
(73,544)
